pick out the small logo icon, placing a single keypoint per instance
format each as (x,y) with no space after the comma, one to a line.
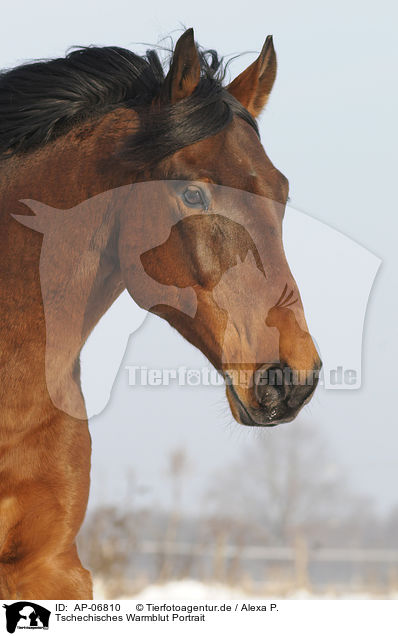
(26,615)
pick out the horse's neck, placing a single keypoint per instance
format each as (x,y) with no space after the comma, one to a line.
(78,278)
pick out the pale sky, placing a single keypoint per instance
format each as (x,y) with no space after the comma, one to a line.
(330,126)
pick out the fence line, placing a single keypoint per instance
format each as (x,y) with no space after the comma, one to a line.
(276,553)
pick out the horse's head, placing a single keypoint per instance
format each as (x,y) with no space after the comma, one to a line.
(214,213)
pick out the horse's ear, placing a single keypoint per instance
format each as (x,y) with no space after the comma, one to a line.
(253,86)
(184,74)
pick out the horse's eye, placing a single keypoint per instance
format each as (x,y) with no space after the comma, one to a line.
(193,197)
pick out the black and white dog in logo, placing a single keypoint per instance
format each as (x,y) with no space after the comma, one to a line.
(26,615)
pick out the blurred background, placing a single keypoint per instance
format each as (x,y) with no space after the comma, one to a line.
(280,521)
(184,501)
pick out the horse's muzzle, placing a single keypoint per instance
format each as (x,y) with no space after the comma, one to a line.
(278,394)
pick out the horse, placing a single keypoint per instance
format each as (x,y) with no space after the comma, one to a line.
(156,182)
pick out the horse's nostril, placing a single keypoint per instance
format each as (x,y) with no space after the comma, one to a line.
(299,394)
(269,386)
(269,395)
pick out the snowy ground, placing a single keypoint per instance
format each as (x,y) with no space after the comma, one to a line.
(196,590)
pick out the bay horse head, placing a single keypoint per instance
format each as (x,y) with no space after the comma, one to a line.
(197,230)
(218,203)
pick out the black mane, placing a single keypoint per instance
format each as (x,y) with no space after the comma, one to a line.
(42,100)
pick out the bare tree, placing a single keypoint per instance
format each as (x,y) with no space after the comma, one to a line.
(285,482)
(177,467)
